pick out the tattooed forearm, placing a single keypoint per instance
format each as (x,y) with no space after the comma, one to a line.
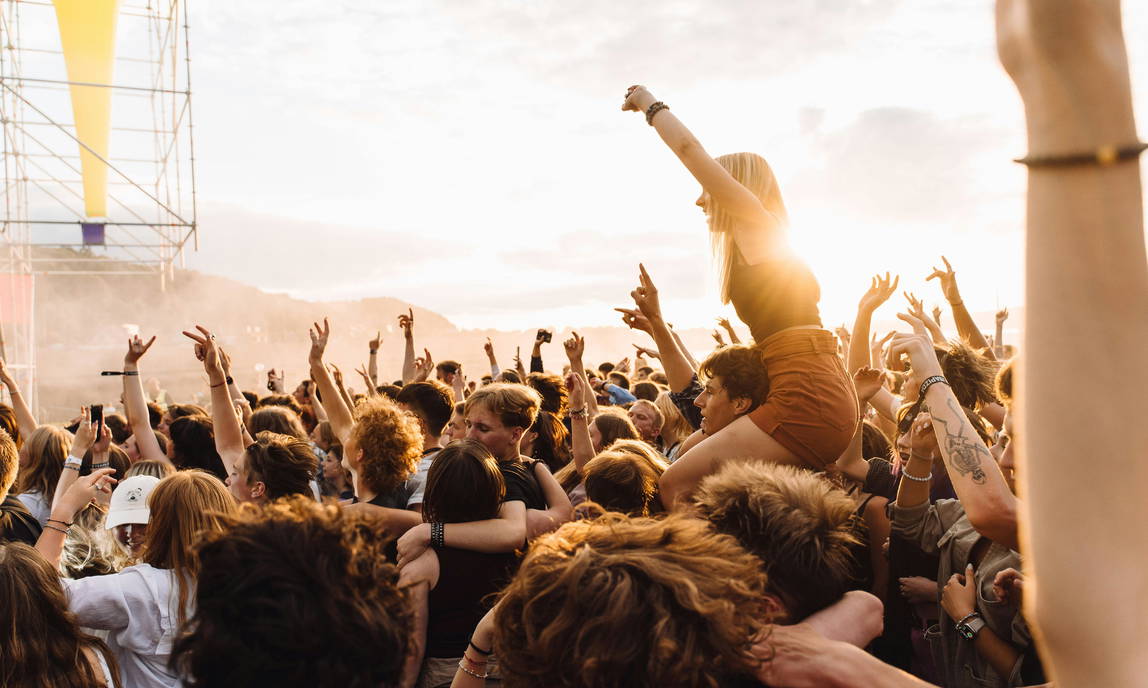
(963,448)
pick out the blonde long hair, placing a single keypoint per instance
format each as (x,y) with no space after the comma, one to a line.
(754,173)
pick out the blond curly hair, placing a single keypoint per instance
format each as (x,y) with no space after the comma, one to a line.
(391,442)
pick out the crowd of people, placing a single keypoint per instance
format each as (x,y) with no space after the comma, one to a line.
(803,509)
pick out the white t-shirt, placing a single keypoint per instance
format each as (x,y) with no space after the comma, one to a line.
(139,608)
(419,479)
(37,504)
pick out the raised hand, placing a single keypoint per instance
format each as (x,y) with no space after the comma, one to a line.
(336,374)
(638,99)
(276,379)
(362,371)
(648,353)
(880,289)
(575,348)
(843,335)
(917,324)
(867,381)
(6,377)
(635,320)
(1002,316)
(82,492)
(423,366)
(718,338)
(136,349)
(937,315)
(85,433)
(488,347)
(320,335)
(876,346)
(103,443)
(623,365)
(948,280)
(207,351)
(646,295)
(373,345)
(922,356)
(225,361)
(407,323)
(576,385)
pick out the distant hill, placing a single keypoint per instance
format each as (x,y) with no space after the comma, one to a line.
(83,323)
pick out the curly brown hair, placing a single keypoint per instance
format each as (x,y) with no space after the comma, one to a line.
(690,602)
(391,442)
(283,463)
(332,566)
(742,372)
(800,526)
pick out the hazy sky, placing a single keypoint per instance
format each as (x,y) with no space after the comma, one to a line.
(471,157)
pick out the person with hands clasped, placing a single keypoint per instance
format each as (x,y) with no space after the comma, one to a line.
(811,412)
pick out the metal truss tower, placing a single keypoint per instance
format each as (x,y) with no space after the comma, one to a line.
(151,216)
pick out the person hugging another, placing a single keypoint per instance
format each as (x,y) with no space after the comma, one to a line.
(497,416)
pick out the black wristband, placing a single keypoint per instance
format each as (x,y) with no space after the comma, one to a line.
(477,649)
(929,382)
(437,535)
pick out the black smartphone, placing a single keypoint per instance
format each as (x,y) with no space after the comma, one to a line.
(97,415)
(545,336)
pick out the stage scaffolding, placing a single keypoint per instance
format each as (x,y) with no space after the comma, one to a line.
(151,215)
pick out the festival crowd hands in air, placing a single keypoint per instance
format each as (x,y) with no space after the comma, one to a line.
(795,509)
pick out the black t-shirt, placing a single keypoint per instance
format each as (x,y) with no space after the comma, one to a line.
(774,295)
(521,485)
(17,524)
(463,596)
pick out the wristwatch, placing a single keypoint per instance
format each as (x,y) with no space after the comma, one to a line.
(970,625)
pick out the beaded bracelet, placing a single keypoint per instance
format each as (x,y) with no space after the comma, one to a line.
(462,666)
(577,413)
(914,478)
(654,109)
(437,534)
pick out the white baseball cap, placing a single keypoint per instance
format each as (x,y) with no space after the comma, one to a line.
(129,501)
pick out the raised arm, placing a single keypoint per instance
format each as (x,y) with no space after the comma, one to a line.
(339,414)
(880,289)
(998,336)
(83,490)
(488,347)
(536,354)
(136,404)
(582,447)
(25,420)
(575,349)
(373,361)
(1087,296)
(917,310)
(228,430)
(648,318)
(977,480)
(407,325)
(337,377)
(726,192)
(966,328)
(728,327)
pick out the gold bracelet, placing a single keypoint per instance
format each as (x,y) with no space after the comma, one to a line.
(1103,156)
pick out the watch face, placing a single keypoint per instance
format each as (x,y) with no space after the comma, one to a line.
(965,632)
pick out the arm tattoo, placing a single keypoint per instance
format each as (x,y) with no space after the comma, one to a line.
(965,453)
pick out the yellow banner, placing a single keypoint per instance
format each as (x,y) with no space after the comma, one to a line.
(88,36)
